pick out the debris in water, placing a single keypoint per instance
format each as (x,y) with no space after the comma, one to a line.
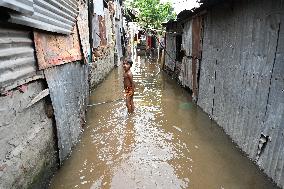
(185,106)
(262,144)
(84,182)
(177,128)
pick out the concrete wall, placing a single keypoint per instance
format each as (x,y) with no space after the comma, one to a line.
(27,154)
(241,81)
(101,67)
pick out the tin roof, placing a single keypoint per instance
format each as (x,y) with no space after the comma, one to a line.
(22,6)
(54,15)
(205,4)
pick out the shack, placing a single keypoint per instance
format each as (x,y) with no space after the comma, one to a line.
(233,64)
(51,54)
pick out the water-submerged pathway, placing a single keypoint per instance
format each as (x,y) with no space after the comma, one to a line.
(168,143)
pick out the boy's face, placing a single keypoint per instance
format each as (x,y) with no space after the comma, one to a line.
(126,66)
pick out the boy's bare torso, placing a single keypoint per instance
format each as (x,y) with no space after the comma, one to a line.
(127,79)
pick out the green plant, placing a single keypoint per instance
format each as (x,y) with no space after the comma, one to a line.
(151,13)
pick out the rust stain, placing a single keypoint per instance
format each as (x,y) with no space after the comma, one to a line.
(102,27)
(111,8)
(2,167)
(23,88)
(55,49)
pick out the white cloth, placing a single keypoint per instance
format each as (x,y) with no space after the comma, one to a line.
(98,7)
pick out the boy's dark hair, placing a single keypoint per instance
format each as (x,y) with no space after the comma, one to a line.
(129,61)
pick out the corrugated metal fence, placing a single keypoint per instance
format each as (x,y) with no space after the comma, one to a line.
(170,54)
(186,68)
(241,82)
(17,59)
(68,85)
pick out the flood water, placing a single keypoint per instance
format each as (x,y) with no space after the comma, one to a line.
(168,143)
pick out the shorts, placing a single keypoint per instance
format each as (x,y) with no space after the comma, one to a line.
(129,91)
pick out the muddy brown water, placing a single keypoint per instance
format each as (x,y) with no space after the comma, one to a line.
(168,143)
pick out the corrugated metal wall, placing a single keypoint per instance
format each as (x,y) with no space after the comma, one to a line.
(272,159)
(170,54)
(196,53)
(241,82)
(68,86)
(55,16)
(186,68)
(17,59)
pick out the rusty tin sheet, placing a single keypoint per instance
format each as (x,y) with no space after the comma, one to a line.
(83,28)
(196,37)
(54,49)
(102,27)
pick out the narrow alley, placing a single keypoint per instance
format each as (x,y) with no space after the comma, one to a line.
(209,94)
(168,142)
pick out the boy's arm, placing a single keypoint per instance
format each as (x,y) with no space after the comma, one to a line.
(131,81)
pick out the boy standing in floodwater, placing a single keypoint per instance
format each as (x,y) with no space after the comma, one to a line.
(128,85)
